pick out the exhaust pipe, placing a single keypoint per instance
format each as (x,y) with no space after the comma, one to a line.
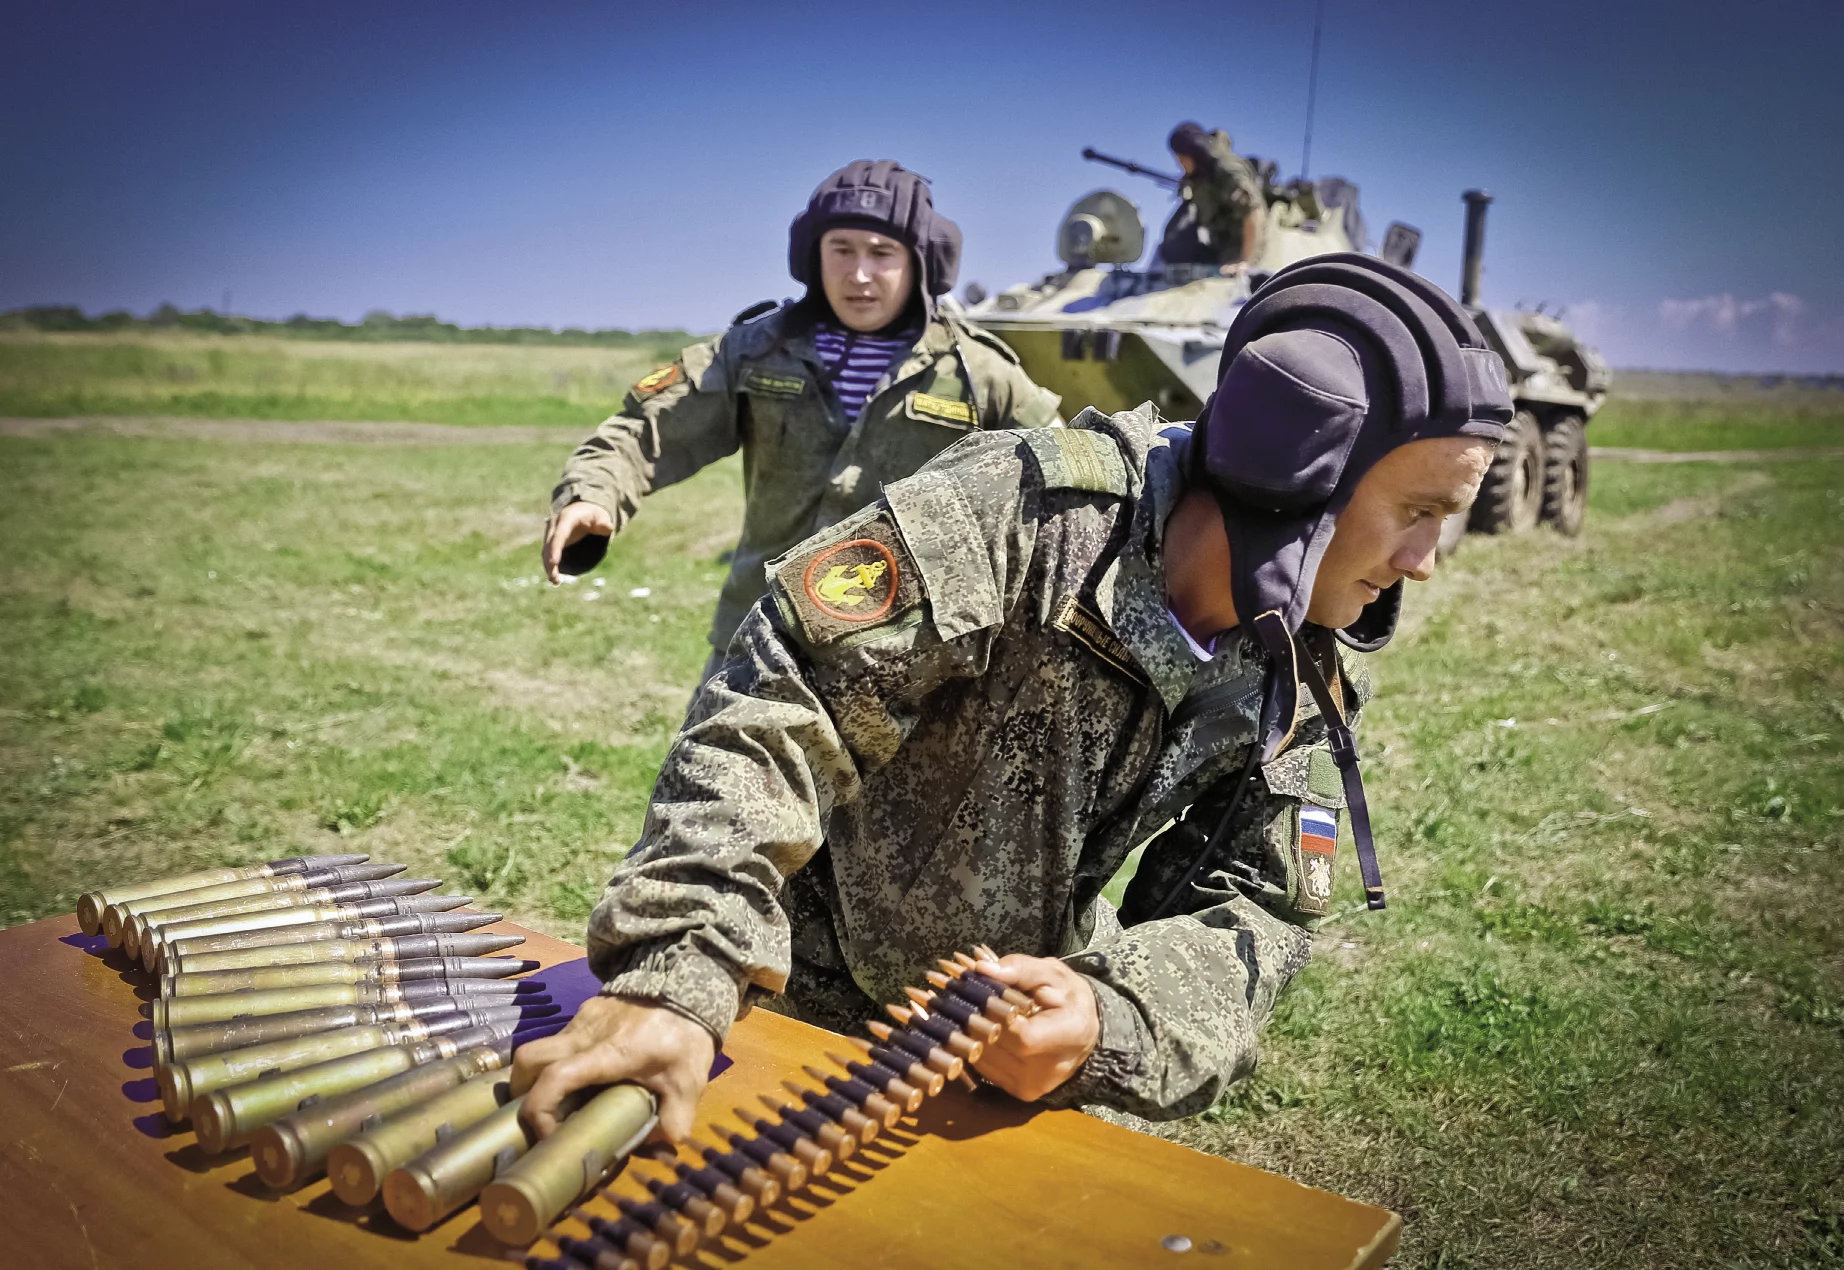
(1476,203)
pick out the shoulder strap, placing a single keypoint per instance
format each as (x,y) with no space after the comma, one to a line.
(754,311)
(1076,458)
(958,325)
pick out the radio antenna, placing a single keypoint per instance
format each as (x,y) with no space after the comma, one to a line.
(1312,92)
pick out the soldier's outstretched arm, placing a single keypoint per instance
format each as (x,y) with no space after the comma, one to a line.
(807,703)
(674,422)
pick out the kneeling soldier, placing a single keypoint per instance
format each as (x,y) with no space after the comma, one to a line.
(830,398)
(956,713)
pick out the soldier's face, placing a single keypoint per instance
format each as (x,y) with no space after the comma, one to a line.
(866,276)
(1389,530)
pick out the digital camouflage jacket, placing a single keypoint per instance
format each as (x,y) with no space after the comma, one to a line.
(762,387)
(949,722)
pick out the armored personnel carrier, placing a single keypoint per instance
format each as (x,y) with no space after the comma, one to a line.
(1105,334)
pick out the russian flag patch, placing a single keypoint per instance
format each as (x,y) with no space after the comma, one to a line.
(1318,846)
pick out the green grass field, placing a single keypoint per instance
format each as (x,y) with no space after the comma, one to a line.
(1763,423)
(267,377)
(1600,1024)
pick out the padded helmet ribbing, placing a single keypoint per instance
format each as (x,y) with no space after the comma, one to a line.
(1333,363)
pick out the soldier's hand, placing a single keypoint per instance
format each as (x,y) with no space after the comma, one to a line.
(574,523)
(1036,1054)
(611,1040)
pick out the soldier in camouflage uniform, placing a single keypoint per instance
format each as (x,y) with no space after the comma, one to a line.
(764,386)
(1223,211)
(957,712)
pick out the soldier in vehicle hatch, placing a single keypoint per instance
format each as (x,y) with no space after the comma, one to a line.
(830,397)
(954,715)
(1223,212)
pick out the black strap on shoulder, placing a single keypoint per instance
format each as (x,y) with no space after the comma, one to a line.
(754,311)
(966,371)
(1344,753)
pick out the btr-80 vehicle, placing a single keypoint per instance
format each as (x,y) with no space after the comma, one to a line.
(1104,334)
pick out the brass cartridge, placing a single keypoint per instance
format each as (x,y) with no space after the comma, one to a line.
(301,915)
(419,1194)
(526,1197)
(261,980)
(294,1148)
(174,1044)
(247,888)
(454,923)
(185,1081)
(174,1012)
(403,948)
(131,916)
(91,904)
(358,1166)
(145,936)
(227,1118)
(150,935)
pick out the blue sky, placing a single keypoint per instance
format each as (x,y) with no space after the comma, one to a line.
(1673,174)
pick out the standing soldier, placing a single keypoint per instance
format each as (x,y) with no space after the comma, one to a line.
(830,398)
(954,715)
(1224,210)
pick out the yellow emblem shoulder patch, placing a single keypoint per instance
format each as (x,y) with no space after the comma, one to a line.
(850,583)
(663,378)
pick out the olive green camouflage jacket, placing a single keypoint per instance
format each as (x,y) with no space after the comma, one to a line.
(762,387)
(1225,196)
(973,696)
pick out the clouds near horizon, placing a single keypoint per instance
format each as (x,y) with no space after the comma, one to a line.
(1779,331)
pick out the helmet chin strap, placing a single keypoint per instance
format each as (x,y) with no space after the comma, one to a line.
(1281,708)
(1278,715)
(1288,670)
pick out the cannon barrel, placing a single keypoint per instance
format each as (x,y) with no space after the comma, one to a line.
(1476,203)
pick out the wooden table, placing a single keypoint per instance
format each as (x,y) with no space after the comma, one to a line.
(91,1177)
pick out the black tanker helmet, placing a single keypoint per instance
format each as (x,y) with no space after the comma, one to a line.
(1336,361)
(1333,363)
(1189,138)
(888,199)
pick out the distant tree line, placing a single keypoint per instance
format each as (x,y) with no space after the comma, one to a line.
(377,325)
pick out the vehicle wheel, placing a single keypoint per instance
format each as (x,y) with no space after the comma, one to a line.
(1565,474)
(1453,529)
(1511,496)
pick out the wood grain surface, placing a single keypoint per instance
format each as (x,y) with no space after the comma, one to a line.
(91,1178)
